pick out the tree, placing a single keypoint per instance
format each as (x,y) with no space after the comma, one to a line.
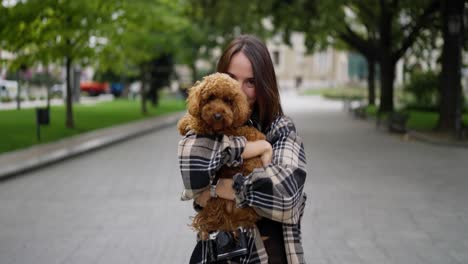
(198,41)
(396,38)
(55,30)
(382,30)
(161,70)
(340,24)
(453,32)
(144,30)
(213,23)
(16,22)
(365,43)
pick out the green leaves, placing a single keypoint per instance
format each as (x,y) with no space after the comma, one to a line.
(141,30)
(45,31)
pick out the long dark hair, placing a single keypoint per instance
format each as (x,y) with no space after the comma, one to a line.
(267,105)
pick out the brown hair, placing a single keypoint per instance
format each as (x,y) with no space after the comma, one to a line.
(267,104)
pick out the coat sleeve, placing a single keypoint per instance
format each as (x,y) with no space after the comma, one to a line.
(276,191)
(201,156)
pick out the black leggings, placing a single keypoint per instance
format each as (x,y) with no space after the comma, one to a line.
(274,245)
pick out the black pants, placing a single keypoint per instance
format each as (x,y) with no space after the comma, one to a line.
(274,245)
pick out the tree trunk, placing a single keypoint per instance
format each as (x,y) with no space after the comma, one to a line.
(69,122)
(193,68)
(450,77)
(371,80)
(154,96)
(18,91)
(387,66)
(143,89)
(48,87)
(387,76)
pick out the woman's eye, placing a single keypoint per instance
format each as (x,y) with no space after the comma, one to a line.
(250,83)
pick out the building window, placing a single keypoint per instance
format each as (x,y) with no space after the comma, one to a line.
(276,58)
(298,82)
(322,62)
(300,59)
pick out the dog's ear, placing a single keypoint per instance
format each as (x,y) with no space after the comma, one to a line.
(184,125)
(193,99)
(243,109)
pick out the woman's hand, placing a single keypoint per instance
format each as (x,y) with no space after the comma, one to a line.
(224,189)
(267,154)
(260,148)
(203,198)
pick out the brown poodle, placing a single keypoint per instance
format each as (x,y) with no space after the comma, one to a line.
(217,105)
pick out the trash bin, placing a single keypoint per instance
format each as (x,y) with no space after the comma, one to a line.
(42,116)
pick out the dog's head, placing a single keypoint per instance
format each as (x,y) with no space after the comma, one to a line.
(219,102)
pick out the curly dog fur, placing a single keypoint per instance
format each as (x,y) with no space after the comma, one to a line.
(217,105)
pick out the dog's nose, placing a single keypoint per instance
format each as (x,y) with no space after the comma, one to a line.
(217,116)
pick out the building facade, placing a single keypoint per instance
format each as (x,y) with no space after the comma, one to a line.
(295,69)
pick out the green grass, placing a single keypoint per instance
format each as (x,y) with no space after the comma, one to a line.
(18,128)
(339,93)
(313,92)
(424,121)
(418,120)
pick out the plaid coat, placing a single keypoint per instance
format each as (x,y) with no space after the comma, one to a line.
(275,192)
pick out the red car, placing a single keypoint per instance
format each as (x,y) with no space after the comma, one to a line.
(94,88)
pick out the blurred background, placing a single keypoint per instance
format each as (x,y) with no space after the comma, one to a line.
(344,68)
(392,57)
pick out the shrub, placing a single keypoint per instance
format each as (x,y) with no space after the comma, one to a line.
(423,88)
(345,93)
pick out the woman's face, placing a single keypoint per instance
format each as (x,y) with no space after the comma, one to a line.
(240,69)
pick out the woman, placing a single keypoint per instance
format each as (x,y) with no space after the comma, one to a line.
(275,191)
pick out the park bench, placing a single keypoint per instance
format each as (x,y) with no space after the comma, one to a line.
(394,121)
(464,131)
(359,110)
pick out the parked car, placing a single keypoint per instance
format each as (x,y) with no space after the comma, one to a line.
(117,89)
(94,88)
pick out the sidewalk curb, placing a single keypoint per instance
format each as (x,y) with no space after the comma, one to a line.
(423,138)
(433,141)
(137,129)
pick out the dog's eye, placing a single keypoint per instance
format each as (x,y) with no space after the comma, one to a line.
(227,100)
(211,98)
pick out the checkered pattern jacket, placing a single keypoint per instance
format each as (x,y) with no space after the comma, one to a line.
(275,192)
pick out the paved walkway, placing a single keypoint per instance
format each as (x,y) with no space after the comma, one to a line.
(16,162)
(373,198)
